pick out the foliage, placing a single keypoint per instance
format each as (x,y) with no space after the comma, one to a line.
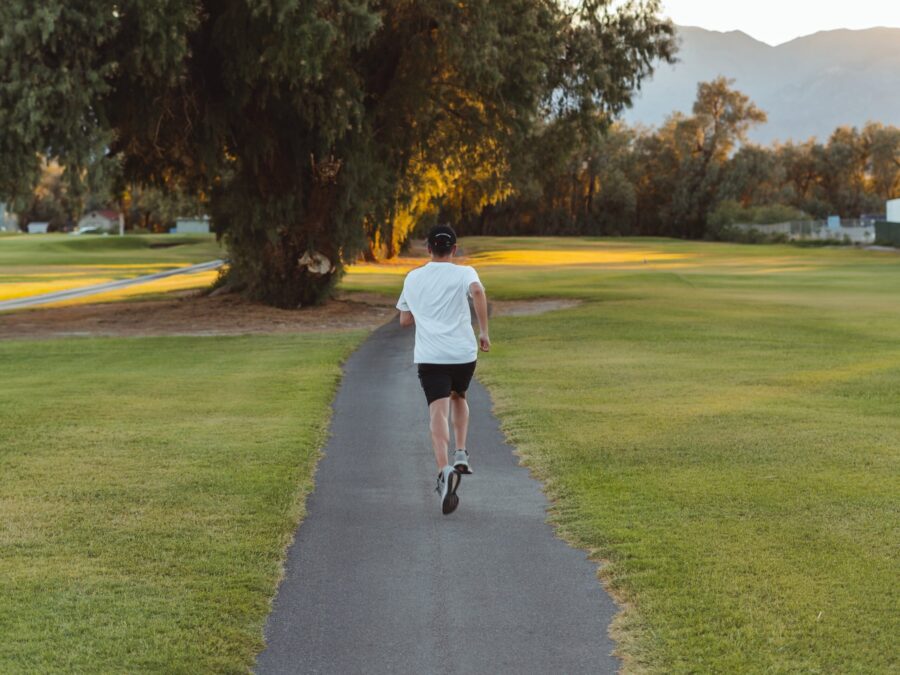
(696,174)
(50,201)
(317,129)
(155,209)
(729,212)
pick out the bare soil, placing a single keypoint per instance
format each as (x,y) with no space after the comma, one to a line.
(192,314)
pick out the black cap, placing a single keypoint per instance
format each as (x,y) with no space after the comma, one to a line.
(441,238)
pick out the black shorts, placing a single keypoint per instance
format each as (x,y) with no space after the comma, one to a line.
(439,379)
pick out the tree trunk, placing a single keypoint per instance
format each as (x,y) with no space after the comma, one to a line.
(275,258)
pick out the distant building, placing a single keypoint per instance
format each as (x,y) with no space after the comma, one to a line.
(893,211)
(192,225)
(38,228)
(8,221)
(104,220)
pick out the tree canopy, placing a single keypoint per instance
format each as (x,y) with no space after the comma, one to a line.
(317,129)
(695,174)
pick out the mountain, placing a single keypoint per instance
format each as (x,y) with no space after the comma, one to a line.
(808,86)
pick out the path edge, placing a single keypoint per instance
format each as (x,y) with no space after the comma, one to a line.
(626,629)
(300,499)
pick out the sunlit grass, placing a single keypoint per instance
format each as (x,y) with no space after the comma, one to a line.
(181,282)
(605,257)
(574,265)
(722,429)
(394,267)
(37,264)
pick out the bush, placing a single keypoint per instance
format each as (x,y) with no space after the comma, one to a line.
(730,212)
(777,213)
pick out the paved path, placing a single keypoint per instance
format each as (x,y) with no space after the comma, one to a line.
(58,296)
(378,581)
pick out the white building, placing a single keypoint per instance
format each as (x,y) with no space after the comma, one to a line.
(893,211)
(38,228)
(192,225)
(104,220)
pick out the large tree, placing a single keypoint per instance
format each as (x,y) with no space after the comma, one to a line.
(316,127)
(721,118)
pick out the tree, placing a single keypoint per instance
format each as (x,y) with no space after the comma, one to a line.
(721,118)
(884,160)
(50,200)
(752,176)
(313,126)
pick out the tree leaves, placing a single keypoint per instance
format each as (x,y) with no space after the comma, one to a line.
(422,104)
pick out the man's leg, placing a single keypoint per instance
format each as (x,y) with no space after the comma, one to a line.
(439,411)
(460,410)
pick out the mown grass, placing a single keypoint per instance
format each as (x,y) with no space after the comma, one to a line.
(36,264)
(132,249)
(148,488)
(719,424)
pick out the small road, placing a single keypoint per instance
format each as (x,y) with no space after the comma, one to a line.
(378,581)
(83,291)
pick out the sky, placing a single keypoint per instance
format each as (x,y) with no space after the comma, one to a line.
(777,21)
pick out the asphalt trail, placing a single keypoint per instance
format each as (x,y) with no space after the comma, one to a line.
(379,581)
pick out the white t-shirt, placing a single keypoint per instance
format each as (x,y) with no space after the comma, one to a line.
(437,294)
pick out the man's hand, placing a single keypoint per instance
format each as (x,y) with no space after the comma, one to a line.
(484,342)
(479,302)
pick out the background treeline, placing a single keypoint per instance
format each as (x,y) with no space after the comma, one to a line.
(61,202)
(692,177)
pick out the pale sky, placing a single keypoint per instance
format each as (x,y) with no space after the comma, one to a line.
(777,21)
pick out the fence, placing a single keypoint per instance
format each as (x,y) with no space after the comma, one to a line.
(856,231)
(887,233)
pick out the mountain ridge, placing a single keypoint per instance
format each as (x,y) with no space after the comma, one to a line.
(808,86)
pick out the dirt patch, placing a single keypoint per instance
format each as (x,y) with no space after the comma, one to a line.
(529,307)
(191,314)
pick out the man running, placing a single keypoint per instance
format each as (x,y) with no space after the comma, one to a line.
(435,299)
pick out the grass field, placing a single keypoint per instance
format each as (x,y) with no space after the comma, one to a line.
(148,488)
(35,264)
(719,424)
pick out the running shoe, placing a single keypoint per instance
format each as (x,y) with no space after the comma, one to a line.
(461,462)
(447,482)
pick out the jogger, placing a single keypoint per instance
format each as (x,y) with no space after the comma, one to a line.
(435,299)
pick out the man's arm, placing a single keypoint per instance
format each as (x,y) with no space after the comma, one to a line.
(406,319)
(479,302)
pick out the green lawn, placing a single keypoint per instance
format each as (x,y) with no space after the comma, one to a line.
(148,488)
(720,424)
(36,264)
(134,249)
